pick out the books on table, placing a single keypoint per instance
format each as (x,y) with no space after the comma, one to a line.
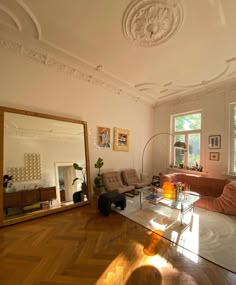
(154,198)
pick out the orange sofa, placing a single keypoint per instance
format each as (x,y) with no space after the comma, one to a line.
(226,203)
(204,186)
(217,195)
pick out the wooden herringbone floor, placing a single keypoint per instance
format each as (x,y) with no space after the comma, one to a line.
(81,246)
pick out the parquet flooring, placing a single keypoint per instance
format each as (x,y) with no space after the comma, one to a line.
(81,246)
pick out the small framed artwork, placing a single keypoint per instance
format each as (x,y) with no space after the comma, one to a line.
(215,141)
(103,137)
(214,156)
(121,139)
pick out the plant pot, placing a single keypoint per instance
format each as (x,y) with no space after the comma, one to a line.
(98,190)
(77,196)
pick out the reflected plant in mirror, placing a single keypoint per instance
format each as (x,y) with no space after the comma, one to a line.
(80,195)
(82,177)
(8,183)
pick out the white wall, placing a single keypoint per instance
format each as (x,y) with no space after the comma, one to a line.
(26,84)
(50,151)
(215,121)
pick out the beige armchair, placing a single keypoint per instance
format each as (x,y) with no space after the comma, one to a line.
(112,182)
(130,178)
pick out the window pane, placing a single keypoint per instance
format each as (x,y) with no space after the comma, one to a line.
(179,157)
(179,153)
(180,138)
(188,122)
(193,149)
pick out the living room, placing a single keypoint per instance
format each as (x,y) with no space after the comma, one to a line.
(51,79)
(42,87)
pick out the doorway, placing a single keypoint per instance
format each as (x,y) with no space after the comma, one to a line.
(65,173)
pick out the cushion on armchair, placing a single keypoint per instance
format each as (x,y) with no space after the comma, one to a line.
(112,182)
(130,177)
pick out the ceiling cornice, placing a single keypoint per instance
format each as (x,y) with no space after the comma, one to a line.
(171,90)
(78,70)
(21,33)
(221,87)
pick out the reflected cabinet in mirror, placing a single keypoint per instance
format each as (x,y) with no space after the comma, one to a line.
(38,152)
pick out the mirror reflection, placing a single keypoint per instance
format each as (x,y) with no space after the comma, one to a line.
(66,174)
(38,163)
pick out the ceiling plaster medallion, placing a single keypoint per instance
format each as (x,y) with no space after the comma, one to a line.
(151,22)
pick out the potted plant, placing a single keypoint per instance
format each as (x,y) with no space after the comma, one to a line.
(8,183)
(98,179)
(77,195)
(99,187)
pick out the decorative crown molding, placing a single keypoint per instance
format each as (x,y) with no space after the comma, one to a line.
(93,76)
(151,22)
(172,90)
(19,17)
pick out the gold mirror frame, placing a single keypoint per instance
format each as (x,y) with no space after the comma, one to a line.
(37,214)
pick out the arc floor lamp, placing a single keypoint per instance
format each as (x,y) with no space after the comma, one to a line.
(178,144)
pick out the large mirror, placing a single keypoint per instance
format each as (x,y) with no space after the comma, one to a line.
(38,152)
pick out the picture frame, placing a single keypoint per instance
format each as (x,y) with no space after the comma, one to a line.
(103,137)
(121,140)
(215,141)
(214,156)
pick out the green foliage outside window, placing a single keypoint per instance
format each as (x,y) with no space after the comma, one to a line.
(187,129)
(188,122)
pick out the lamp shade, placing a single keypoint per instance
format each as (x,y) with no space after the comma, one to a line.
(180,144)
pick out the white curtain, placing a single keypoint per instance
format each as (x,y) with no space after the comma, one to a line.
(69,175)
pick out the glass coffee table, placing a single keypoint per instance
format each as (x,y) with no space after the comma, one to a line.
(184,203)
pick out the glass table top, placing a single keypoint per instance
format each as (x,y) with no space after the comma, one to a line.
(185,199)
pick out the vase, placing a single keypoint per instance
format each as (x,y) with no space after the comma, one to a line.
(77,196)
(168,190)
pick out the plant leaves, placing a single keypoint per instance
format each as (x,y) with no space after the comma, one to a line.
(99,163)
(77,167)
(73,182)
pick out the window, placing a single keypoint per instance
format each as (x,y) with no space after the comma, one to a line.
(233,139)
(187,128)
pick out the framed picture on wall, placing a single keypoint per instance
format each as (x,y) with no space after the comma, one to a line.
(215,141)
(121,140)
(103,137)
(214,156)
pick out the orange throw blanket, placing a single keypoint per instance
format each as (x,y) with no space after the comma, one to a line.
(226,203)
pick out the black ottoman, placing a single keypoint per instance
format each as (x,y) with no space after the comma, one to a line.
(106,199)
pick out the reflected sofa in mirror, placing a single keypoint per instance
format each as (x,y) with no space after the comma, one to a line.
(38,152)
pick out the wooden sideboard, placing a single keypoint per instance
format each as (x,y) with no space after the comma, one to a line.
(23,198)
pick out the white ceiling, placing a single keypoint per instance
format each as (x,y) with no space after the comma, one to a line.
(25,126)
(200,53)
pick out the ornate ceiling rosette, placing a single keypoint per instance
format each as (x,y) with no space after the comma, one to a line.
(151,22)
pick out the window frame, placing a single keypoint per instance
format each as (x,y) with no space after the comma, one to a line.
(186,134)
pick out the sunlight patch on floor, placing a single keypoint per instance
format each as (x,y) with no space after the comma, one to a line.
(191,240)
